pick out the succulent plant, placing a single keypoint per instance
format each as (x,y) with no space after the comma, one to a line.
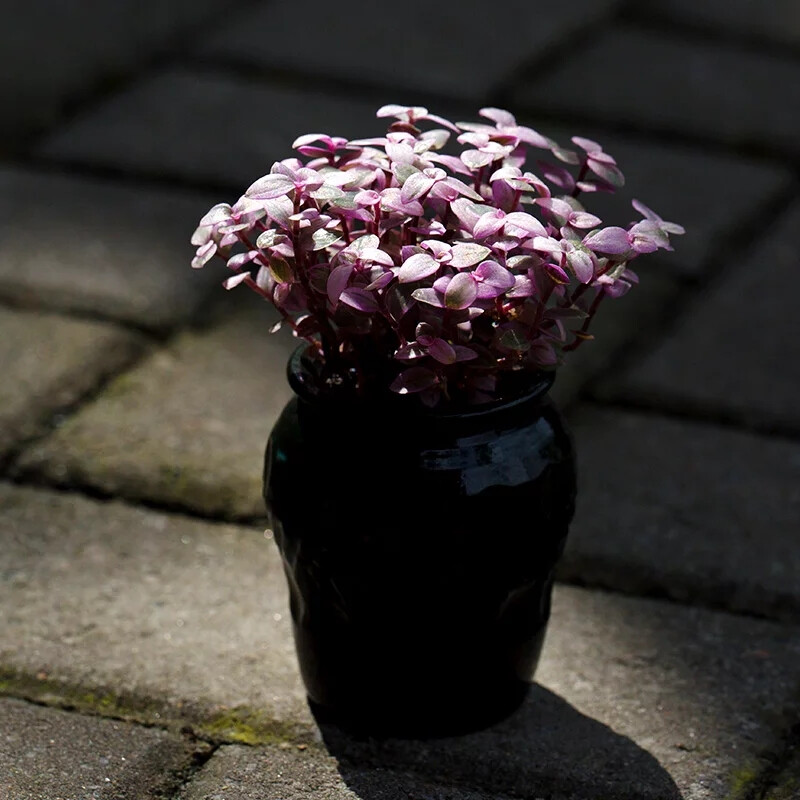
(429,273)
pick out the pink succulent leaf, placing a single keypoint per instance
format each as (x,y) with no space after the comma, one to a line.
(360,299)
(264,280)
(667,227)
(394,110)
(487,292)
(611,241)
(587,145)
(527,222)
(204,254)
(429,296)
(201,235)
(532,137)
(416,268)
(489,223)
(558,210)
(368,241)
(492,273)
(323,238)
(547,244)
(441,284)
(563,154)
(235,280)
(337,281)
(381,282)
(499,116)
(279,210)
(647,237)
(441,250)
(523,287)
(556,273)
(367,197)
(409,352)
(425,334)
(228,240)
(437,138)
(453,163)
(504,196)
(400,153)
(217,215)
(414,379)
(440,121)
(442,351)
(468,212)
(240,259)
(467,254)
(377,256)
(557,175)
(416,186)
(461,188)
(610,173)
(583,220)
(390,201)
(475,159)
(580,262)
(461,291)
(281,269)
(270,186)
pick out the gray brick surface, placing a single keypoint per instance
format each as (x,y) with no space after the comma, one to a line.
(143,614)
(778,20)
(46,754)
(239,773)
(735,353)
(188,426)
(637,699)
(619,325)
(49,362)
(461,51)
(179,616)
(659,82)
(100,248)
(56,51)
(700,190)
(207,127)
(687,510)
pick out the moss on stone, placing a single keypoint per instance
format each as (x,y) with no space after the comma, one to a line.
(238,725)
(743,781)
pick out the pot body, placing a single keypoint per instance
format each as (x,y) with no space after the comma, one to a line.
(419,551)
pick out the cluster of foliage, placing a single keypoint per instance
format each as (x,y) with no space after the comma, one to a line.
(432,273)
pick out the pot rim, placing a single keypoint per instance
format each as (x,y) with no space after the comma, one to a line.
(307,391)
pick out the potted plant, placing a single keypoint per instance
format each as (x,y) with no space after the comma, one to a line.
(420,484)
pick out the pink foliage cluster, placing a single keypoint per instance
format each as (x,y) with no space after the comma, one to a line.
(428,272)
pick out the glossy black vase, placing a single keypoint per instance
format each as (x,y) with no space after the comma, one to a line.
(419,549)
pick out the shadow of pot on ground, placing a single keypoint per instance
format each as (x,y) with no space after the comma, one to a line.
(546,748)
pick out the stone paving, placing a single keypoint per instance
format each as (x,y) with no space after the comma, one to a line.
(145,642)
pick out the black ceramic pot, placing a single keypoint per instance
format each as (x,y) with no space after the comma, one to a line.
(419,548)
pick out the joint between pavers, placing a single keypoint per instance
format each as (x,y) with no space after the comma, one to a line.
(650,20)
(106,86)
(213,725)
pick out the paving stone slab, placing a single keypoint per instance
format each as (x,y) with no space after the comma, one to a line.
(47,754)
(207,127)
(49,362)
(187,427)
(246,773)
(697,88)
(620,325)
(687,510)
(157,617)
(700,190)
(437,56)
(176,618)
(98,247)
(712,363)
(73,58)
(636,699)
(779,20)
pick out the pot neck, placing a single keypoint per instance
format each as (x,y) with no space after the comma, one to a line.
(322,395)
